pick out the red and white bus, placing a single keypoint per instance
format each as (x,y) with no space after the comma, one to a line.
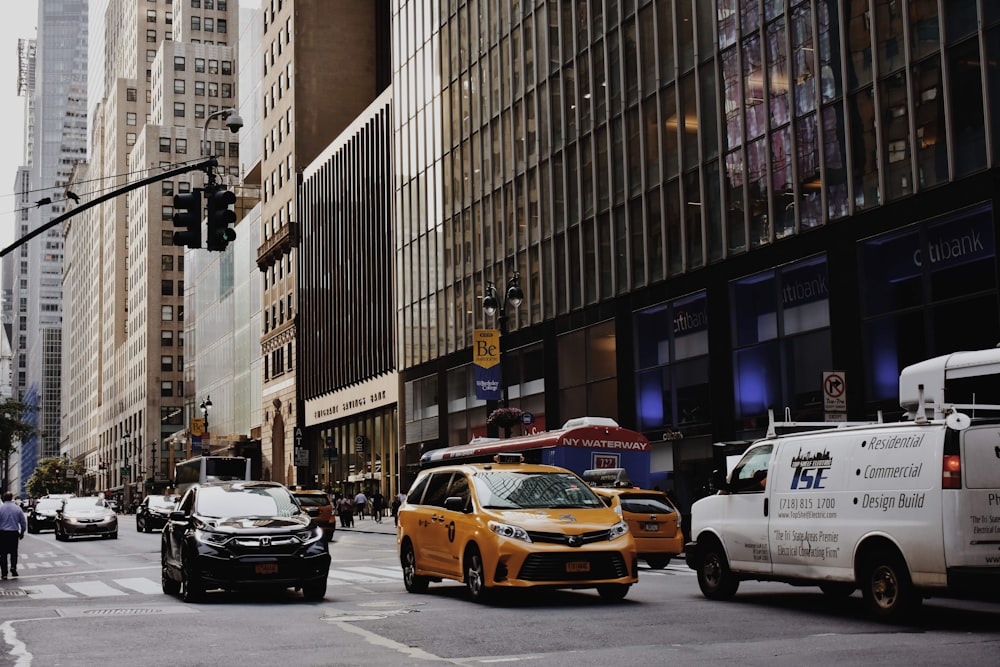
(584,443)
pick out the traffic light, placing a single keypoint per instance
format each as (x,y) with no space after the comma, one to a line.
(220,234)
(187,214)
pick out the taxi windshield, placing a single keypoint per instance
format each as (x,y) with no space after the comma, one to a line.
(509,489)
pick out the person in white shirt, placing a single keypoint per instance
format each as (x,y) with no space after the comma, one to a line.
(13,525)
(360,501)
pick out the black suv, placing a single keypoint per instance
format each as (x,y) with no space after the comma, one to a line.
(42,515)
(153,512)
(237,535)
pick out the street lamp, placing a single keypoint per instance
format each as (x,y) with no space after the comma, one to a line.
(206,405)
(492,305)
(125,472)
(233,122)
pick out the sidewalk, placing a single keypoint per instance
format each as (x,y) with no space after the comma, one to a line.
(367,525)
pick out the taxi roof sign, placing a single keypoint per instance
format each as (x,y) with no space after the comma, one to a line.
(509,458)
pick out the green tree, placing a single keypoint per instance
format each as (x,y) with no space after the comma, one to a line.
(13,429)
(54,475)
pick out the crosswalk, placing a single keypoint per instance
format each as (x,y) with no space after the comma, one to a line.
(125,586)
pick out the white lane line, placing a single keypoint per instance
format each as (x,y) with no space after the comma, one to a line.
(355,577)
(45,592)
(388,572)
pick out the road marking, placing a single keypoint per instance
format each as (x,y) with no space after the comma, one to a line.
(141,584)
(45,592)
(94,589)
(386,572)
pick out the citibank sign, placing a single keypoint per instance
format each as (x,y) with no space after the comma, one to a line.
(376,393)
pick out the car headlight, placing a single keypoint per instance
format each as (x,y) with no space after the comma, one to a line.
(310,536)
(208,537)
(617,530)
(507,530)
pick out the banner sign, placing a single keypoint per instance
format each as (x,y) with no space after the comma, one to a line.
(486,362)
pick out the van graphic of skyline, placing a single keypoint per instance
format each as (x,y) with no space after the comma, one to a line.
(809,460)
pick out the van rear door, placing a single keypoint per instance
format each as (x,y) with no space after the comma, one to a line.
(974,541)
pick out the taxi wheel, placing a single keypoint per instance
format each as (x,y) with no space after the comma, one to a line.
(414,583)
(613,591)
(475,575)
(658,562)
(715,579)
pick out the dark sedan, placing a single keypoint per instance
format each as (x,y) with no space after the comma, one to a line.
(87,516)
(236,535)
(154,512)
(43,515)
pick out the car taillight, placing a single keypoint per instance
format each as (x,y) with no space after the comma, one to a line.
(951,472)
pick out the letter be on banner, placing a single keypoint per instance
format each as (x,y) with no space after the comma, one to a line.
(486,361)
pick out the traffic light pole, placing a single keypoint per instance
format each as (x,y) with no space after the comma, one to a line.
(205,165)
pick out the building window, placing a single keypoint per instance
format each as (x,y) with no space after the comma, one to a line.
(164,144)
(213,66)
(227,90)
(588,383)
(131,118)
(178,63)
(199,111)
(178,109)
(131,95)
(234,149)
(167,287)
(227,67)
(166,212)
(196,23)
(213,89)
(195,4)
(181,146)
(166,363)
(167,188)
(199,89)
(166,388)
(130,138)
(221,25)
(166,262)
(199,65)
(150,16)
(179,86)
(166,338)
(166,237)
(209,24)
(151,36)
(167,313)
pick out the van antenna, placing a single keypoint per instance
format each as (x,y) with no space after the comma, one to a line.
(921,416)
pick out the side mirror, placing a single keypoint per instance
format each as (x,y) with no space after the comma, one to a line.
(178,516)
(719,483)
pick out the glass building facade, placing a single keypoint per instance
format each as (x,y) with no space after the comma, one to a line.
(710,203)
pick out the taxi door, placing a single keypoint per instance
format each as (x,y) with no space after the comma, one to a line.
(745,523)
(432,543)
(459,522)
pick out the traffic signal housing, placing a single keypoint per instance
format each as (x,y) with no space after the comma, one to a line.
(220,217)
(187,214)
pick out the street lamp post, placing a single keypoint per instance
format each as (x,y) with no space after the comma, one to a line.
(125,472)
(233,122)
(206,405)
(493,305)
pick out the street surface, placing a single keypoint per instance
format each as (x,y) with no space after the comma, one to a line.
(98,602)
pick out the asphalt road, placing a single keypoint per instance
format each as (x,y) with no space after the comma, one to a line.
(98,602)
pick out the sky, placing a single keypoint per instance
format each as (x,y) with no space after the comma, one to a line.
(20,19)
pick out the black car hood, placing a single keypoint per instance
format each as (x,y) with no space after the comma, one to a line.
(256,524)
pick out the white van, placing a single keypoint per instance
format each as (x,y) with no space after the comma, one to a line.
(900,510)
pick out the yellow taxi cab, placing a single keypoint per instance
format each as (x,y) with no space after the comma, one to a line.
(652,520)
(509,525)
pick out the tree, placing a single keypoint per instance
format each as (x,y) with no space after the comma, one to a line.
(54,475)
(13,429)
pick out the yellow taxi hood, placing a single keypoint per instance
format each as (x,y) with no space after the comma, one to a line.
(569,519)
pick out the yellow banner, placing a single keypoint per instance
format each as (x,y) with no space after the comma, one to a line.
(486,347)
(197,426)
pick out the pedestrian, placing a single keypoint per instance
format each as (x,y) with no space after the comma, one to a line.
(13,525)
(360,501)
(378,505)
(396,504)
(346,510)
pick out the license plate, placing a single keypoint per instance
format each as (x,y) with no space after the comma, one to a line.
(266,568)
(651,527)
(578,566)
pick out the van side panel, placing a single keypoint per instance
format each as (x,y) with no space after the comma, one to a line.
(972,519)
(832,490)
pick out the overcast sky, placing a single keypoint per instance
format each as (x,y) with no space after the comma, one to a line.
(19,20)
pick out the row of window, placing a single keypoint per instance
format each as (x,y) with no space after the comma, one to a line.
(208,24)
(167,363)
(180,65)
(180,146)
(213,88)
(275,316)
(278,362)
(221,5)
(167,289)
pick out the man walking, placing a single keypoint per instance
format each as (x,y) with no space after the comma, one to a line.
(13,525)
(360,501)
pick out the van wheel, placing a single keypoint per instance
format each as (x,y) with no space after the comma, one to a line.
(475,575)
(414,582)
(716,580)
(886,586)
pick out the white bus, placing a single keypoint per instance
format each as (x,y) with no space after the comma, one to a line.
(201,469)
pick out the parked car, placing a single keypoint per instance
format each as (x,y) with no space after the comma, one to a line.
(652,520)
(319,506)
(85,516)
(154,512)
(237,535)
(512,526)
(42,516)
